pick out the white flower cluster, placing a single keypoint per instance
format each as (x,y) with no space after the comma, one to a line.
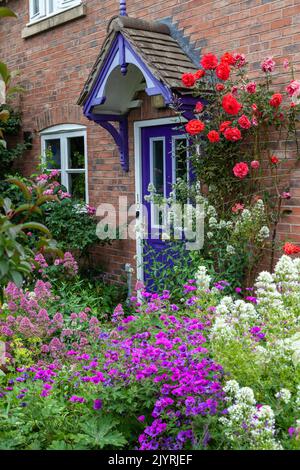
(284,395)
(203,280)
(278,294)
(263,233)
(287,274)
(248,425)
(297,403)
(232,318)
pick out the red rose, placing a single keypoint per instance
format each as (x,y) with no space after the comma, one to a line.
(244,122)
(220,87)
(230,104)
(233,134)
(188,79)
(194,127)
(241,170)
(213,136)
(255,164)
(209,61)
(223,71)
(228,58)
(274,160)
(291,249)
(224,125)
(199,107)
(276,100)
(199,74)
(237,207)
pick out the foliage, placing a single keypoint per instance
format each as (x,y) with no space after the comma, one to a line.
(72,224)
(209,372)
(16,255)
(231,248)
(10,128)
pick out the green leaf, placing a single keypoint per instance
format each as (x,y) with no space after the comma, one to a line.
(60,445)
(17,278)
(4,266)
(20,185)
(35,226)
(100,433)
(4,12)
(42,199)
(4,72)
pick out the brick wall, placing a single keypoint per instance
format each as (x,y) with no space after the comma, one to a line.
(54,65)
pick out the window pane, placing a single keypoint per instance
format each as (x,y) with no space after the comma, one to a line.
(35,7)
(158,165)
(181,158)
(53,153)
(50,6)
(76,152)
(77,185)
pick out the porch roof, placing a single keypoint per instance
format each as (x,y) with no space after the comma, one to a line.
(153,43)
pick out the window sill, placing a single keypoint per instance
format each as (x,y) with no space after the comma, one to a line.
(53,21)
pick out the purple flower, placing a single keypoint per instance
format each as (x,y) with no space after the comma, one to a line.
(292,431)
(76,399)
(97,404)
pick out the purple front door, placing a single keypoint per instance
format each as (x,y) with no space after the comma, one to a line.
(164,159)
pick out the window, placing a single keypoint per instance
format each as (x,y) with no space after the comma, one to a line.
(181,168)
(64,148)
(40,9)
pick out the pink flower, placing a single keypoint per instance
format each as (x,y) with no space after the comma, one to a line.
(251,87)
(237,207)
(293,88)
(286,64)
(268,65)
(139,285)
(64,195)
(48,192)
(286,195)
(241,170)
(240,59)
(255,164)
(90,209)
(199,107)
(42,178)
(54,173)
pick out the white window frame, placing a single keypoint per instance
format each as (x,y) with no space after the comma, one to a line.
(63,132)
(44,8)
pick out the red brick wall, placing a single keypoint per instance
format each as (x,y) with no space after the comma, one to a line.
(54,65)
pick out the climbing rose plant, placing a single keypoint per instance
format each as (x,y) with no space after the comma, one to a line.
(234,120)
(236,123)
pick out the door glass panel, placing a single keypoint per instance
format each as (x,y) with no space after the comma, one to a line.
(76,152)
(181,158)
(53,153)
(76,185)
(158,165)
